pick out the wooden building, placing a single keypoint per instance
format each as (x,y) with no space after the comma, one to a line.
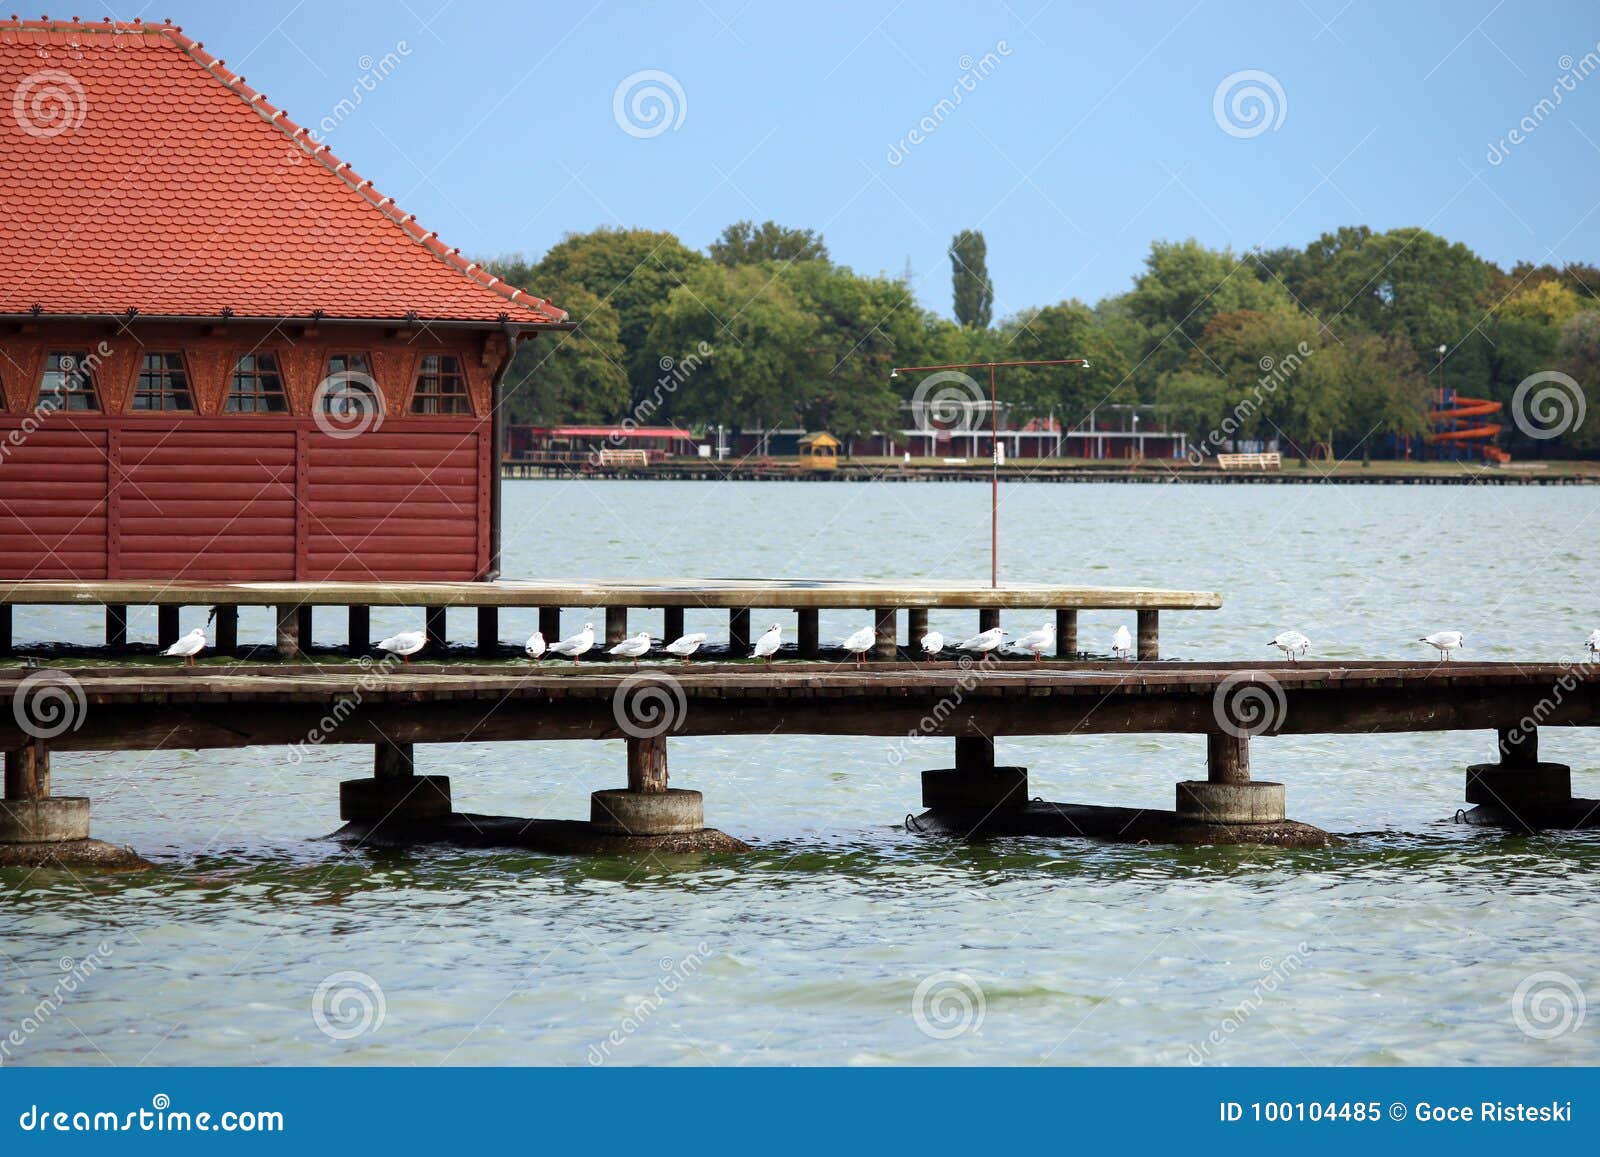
(223,354)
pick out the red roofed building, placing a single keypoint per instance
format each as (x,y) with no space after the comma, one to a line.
(223,354)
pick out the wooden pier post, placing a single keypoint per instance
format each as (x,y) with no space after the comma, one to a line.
(391,761)
(974,753)
(1228,796)
(166,625)
(116,627)
(810,642)
(1149,635)
(304,625)
(360,631)
(434,623)
(1518,747)
(29,814)
(288,634)
(647,764)
(1066,634)
(739,629)
(395,792)
(988,619)
(488,630)
(916,627)
(975,785)
(550,624)
(616,625)
(1227,758)
(647,807)
(885,626)
(671,624)
(28,772)
(227,642)
(1522,791)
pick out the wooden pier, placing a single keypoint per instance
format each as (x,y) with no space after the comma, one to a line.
(393,709)
(296,603)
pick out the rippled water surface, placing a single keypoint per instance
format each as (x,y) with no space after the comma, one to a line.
(843,939)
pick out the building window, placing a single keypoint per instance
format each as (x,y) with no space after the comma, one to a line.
(441,387)
(257,386)
(348,388)
(68,382)
(163,384)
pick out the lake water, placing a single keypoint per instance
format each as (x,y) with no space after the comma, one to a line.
(842,939)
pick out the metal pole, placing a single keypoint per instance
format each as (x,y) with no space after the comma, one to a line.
(994,484)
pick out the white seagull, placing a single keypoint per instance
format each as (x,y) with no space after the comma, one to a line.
(1121,643)
(535,647)
(632,647)
(685,645)
(1037,642)
(405,644)
(767,643)
(1594,643)
(861,642)
(1444,642)
(189,646)
(933,642)
(984,641)
(1291,643)
(577,645)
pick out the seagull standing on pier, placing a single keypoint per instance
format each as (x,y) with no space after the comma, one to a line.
(1593,644)
(1444,642)
(984,641)
(405,644)
(1291,643)
(1037,642)
(535,647)
(767,643)
(577,645)
(933,643)
(861,642)
(685,645)
(189,646)
(632,647)
(1122,642)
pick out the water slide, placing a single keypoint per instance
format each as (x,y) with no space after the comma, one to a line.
(1452,410)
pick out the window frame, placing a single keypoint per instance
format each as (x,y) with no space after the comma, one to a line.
(228,395)
(188,384)
(93,392)
(466,410)
(375,389)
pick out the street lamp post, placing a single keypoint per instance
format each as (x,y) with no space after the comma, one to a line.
(994,438)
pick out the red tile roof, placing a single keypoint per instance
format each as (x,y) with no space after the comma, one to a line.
(140,173)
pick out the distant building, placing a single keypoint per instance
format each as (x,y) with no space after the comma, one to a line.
(222,353)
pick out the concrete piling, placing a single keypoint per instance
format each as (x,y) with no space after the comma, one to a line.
(395,794)
(647,807)
(1522,791)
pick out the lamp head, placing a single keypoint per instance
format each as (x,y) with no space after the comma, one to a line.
(893,372)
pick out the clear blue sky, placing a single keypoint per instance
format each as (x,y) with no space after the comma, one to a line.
(1093,133)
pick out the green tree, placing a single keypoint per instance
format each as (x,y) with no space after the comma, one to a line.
(1184,286)
(746,243)
(1067,330)
(969,272)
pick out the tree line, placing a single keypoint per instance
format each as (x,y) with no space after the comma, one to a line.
(1332,345)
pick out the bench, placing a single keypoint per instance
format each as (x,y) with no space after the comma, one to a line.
(1273,461)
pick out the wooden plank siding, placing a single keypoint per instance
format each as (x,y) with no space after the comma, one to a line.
(246,498)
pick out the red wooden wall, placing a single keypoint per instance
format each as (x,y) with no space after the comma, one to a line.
(264,497)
